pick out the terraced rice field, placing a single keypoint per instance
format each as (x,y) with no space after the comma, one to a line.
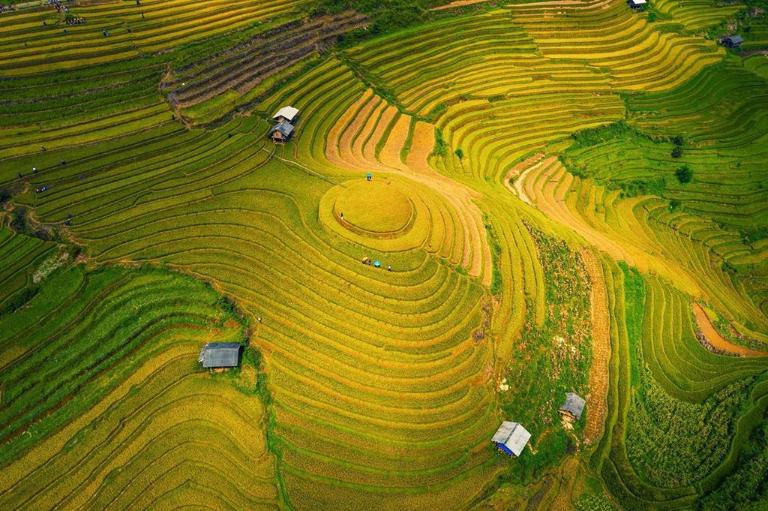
(564,197)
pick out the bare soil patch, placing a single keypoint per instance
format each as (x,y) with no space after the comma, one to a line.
(457,3)
(601,349)
(716,340)
(515,178)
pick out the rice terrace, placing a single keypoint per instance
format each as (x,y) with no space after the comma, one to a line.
(364,255)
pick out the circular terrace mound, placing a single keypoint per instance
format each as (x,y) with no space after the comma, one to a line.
(378,208)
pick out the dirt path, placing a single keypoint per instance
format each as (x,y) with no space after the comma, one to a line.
(601,349)
(717,341)
(518,172)
(551,4)
(566,478)
(752,53)
(457,3)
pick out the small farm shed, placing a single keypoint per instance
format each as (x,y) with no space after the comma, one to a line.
(281,132)
(511,438)
(637,4)
(286,114)
(215,355)
(573,406)
(732,41)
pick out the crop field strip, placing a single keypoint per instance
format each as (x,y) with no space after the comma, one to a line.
(125,392)
(165,24)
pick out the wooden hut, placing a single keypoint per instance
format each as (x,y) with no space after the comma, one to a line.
(281,132)
(637,4)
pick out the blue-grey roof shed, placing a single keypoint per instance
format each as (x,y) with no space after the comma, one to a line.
(220,354)
(511,438)
(732,41)
(281,131)
(574,405)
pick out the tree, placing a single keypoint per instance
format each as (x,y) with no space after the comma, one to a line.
(459,153)
(684,174)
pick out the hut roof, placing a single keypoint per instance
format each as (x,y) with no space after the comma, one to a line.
(735,39)
(574,404)
(285,128)
(287,112)
(638,2)
(220,354)
(511,437)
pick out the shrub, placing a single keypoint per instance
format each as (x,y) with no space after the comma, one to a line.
(677,152)
(19,220)
(459,153)
(684,174)
(727,267)
(440,145)
(493,240)
(755,234)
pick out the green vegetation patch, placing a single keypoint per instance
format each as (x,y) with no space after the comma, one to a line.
(84,332)
(550,359)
